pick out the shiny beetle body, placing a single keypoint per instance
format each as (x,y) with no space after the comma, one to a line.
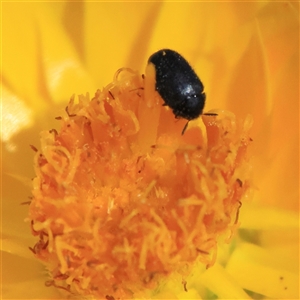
(178,84)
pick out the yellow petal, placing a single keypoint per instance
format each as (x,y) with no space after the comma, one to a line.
(251,270)
(16,116)
(24,279)
(224,286)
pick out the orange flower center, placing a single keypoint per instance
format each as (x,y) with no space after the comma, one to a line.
(121,198)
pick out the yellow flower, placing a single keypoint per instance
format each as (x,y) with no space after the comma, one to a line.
(246,55)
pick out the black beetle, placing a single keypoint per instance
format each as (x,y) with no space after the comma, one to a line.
(178,84)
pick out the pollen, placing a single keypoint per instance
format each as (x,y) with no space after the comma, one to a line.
(121,199)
